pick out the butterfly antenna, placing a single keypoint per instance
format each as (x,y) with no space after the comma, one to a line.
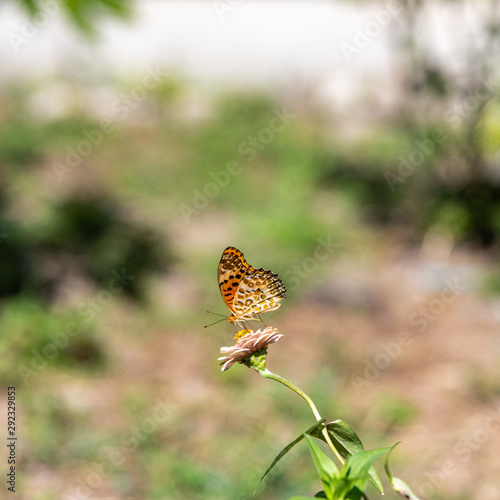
(217,314)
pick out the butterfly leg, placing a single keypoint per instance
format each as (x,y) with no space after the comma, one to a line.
(241,325)
(260,319)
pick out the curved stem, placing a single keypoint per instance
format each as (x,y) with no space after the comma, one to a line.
(267,374)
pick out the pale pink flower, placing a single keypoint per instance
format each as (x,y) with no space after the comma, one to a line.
(246,344)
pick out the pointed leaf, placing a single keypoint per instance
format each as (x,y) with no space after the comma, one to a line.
(346,436)
(398,485)
(287,448)
(327,470)
(386,462)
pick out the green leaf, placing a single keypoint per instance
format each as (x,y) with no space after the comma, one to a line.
(386,462)
(358,465)
(355,473)
(83,13)
(398,485)
(354,494)
(327,470)
(320,494)
(346,436)
(287,448)
(300,498)
(347,490)
(348,444)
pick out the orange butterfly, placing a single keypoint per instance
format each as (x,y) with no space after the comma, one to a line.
(247,291)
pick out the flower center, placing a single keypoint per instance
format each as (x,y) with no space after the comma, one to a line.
(242,333)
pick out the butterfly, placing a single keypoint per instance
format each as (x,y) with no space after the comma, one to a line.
(247,291)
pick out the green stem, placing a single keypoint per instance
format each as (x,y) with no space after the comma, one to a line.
(267,374)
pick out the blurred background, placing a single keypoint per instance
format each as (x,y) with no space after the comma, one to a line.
(351,147)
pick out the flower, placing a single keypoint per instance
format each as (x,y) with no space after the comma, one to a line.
(247,343)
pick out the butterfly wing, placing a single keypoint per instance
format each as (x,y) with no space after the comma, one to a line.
(258,293)
(247,291)
(232,269)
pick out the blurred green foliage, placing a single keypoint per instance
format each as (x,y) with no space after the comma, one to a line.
(94,232)
(396,411)
(83,13)
(490,282)
(20,143)
(33,338)
(83,234)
